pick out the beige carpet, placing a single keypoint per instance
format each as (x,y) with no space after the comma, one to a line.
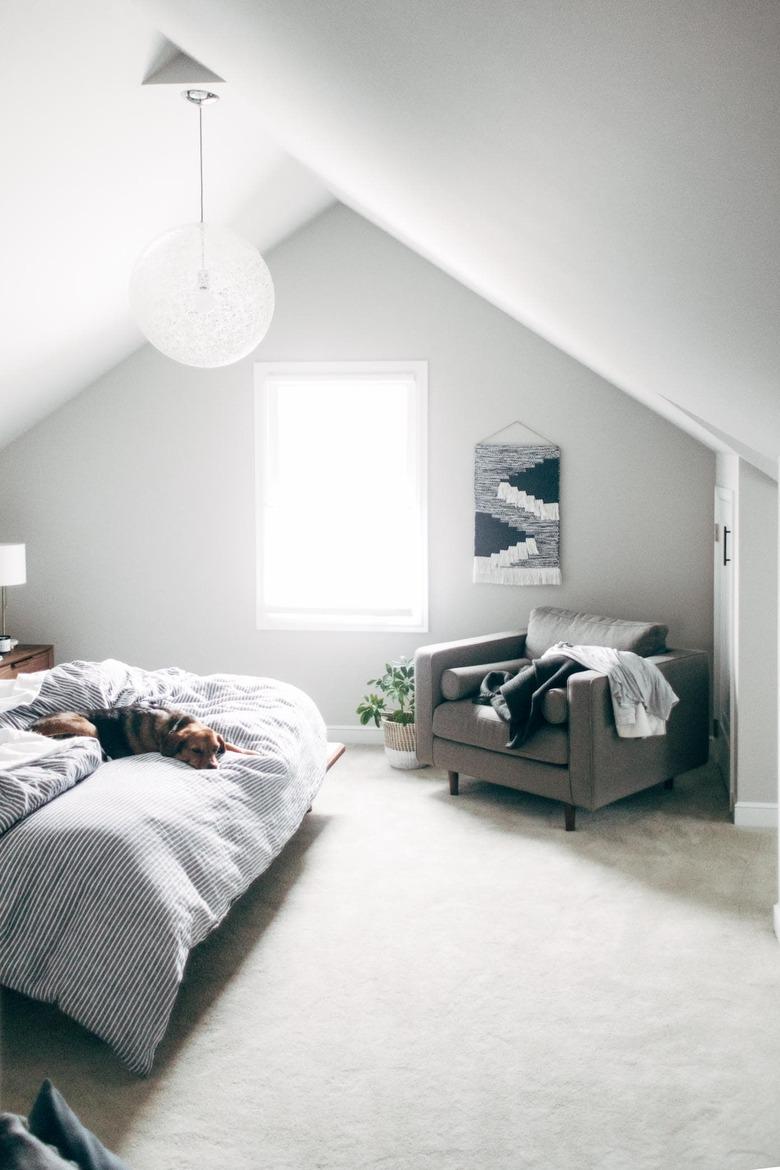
(423,982)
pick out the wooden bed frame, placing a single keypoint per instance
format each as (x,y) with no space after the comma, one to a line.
(334,753)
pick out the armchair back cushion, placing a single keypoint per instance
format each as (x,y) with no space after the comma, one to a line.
(548,625)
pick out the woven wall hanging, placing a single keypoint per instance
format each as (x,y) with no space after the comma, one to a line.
(517,523)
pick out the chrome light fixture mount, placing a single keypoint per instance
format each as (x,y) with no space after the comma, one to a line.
(200,97)
(201,294)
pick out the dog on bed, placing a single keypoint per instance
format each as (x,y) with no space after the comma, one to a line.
(133,730)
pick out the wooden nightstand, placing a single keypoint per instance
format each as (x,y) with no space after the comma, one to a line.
(26,660)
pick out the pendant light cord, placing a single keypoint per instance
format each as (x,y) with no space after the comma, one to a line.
(199,97)
(200,142)
(202,275)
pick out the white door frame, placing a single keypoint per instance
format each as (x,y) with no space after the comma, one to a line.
(724,656)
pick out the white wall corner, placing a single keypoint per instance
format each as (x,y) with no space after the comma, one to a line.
(755,814)
(354,733)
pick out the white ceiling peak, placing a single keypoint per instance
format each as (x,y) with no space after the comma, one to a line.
(172,66)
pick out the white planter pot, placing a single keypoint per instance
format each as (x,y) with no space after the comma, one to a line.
(401,744)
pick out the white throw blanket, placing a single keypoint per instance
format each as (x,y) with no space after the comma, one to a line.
(15,692)
(22,747)
(642,699)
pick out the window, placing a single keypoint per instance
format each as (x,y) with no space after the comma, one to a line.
(341,495)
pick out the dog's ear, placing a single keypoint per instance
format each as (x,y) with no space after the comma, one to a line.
(176,736)
(222,748)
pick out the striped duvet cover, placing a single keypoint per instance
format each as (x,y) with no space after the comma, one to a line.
(107,885)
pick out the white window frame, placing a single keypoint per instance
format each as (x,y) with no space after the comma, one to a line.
(371,622)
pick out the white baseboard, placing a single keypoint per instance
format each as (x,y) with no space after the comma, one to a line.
(354,733)
(755,814)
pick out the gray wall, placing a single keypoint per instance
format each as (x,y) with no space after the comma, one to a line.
(136,498)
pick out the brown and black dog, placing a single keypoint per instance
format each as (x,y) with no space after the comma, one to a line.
(133,730)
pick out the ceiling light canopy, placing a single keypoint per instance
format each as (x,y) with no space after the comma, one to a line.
(201,294)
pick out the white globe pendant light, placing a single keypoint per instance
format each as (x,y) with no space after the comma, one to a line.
(201,294)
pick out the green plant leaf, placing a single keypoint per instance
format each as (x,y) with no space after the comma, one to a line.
(396,687)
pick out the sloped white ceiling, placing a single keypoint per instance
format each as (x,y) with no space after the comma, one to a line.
(605,171)
(94,166)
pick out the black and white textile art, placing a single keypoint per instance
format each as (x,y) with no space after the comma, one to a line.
(517,514)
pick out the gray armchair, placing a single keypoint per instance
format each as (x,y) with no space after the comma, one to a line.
(576,757)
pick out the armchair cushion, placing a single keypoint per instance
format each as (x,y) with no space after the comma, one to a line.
(548,625)
(465,722)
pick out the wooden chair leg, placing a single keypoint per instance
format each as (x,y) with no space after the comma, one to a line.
(669,783)
(569,813)
(453,778)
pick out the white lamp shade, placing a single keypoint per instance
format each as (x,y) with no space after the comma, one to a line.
(202,295)
(13,569)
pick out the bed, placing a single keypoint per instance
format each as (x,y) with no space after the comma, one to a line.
(110,872)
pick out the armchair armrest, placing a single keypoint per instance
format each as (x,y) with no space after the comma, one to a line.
(604,767)
(430,662)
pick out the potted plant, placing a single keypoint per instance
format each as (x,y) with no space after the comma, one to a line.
(395,687)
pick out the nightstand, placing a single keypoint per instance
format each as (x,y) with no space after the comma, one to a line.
(26,660)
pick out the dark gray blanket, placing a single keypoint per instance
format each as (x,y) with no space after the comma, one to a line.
(517,698)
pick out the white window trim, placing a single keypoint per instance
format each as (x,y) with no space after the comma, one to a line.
(276,619)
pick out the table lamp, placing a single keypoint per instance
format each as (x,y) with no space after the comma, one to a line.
(13,571)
